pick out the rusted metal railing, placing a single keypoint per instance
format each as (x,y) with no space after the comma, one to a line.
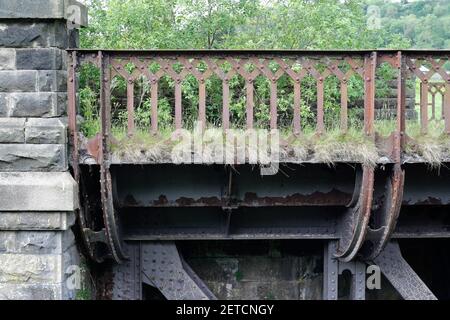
(249,65)
(152,66)
(435,89)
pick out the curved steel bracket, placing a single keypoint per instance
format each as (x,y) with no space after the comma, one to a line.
(356,218)
(111,217)
(384,219)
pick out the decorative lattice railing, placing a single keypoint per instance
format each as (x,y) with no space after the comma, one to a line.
(328,84)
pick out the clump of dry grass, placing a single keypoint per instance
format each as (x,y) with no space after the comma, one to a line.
(352,146)
(330,147)
(335,146)
(432,147)
(141,146)
(427,149)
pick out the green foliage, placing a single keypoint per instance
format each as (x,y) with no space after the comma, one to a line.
(83,294)
(425,23)
(214,24)
(238,275)
(89,109)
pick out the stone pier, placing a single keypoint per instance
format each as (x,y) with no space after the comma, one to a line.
(38,196)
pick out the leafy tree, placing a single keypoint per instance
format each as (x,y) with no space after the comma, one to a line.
(288,24)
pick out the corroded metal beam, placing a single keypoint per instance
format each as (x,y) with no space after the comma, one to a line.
(110,214)
(385,215)
(401,275)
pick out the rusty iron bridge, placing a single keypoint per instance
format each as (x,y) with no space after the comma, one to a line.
(133,213)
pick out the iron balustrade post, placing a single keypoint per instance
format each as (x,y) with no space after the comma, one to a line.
(401,103)
(72,111)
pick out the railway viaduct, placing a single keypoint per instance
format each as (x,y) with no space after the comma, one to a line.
(155,229)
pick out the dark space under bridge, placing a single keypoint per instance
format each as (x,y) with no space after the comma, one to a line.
(135,211)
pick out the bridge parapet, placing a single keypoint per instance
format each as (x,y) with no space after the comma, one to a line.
(306,95)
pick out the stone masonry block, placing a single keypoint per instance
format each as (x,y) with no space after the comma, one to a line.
(409,92)
(7,58)
(38,195)
(52,80)
(29,221)
(30,268)
(12,130)
(36,104)
(4,108)
(35,34)
(392,102)
(44,9)
(14,291)
(18,81)
(61,103)
(32,81)
(42,277)
(33,157)
(39,191)
(36,242)
(40,59)
(45,131)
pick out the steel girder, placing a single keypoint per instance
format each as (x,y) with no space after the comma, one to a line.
(293,222)
(160,265)
(390,262)
(333,267)
(401,275)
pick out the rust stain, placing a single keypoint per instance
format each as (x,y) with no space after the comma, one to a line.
(204,201)
(333,197)
(185,201)
(430,201)
(130,200)
(93,147)
(162,200)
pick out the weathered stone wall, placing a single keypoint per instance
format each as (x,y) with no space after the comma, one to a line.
(38,196)
(266,270)
(259,270)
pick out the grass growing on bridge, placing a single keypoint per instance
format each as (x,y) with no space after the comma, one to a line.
(432,147)
(329,147)
(336,146)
